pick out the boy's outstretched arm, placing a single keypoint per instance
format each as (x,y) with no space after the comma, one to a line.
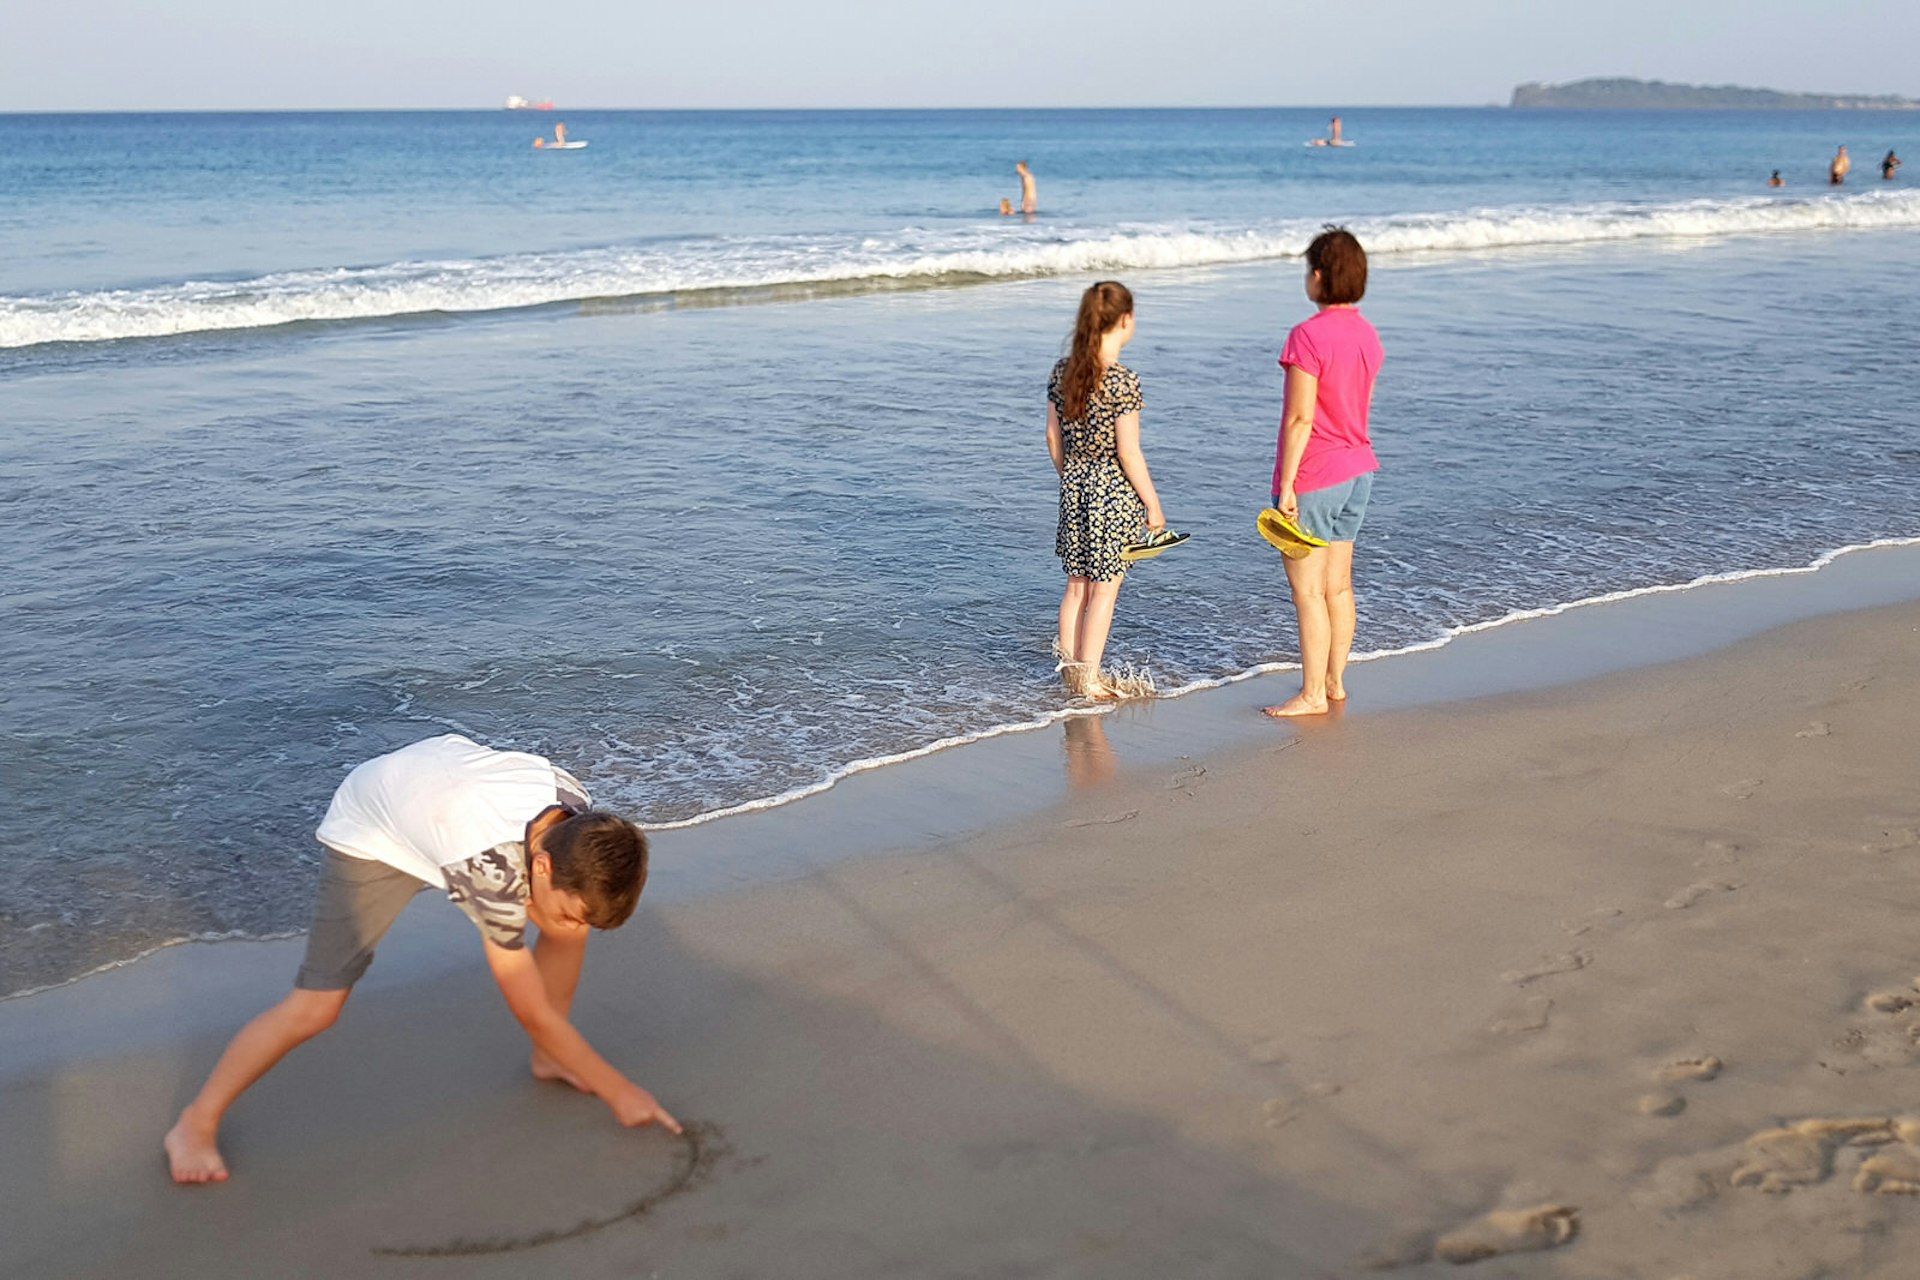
(551,1033)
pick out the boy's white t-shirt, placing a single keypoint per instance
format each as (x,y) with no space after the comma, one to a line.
(442,802)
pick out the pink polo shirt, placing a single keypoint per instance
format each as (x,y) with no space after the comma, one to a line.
(1340,348)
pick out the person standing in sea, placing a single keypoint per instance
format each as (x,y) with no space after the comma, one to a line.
(1029,191)
(1323,476)
(1106,494)
(1842,165)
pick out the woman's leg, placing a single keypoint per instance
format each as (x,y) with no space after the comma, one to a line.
(1096,620)
(1341,618)
(1308,578)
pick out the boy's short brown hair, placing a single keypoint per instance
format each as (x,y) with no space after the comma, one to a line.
(1342,265)
(603,858)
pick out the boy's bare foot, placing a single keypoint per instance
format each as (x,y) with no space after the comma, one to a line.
(1298,705)
(192,1154)
(545,1068)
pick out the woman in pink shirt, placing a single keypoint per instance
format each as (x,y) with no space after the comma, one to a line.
(1324,473)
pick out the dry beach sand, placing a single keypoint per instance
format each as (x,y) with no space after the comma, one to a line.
(1623,972)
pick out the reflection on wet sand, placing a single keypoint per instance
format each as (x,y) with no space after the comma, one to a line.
(1090,757)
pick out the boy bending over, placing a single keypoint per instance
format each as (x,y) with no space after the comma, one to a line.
(513,841)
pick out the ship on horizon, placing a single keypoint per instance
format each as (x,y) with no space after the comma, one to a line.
(517,103)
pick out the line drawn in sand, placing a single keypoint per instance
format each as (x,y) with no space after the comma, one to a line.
(702,1146)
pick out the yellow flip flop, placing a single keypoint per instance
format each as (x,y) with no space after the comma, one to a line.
(1294,542)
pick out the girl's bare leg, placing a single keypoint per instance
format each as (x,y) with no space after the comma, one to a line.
(1308,578)
(1072,603)
(1341,618)
(1096,620)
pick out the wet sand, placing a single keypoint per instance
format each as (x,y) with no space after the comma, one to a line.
(1624,969)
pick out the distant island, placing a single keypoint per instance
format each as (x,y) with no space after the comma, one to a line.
(1622,94)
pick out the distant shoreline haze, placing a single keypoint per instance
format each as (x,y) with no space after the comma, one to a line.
(1624,94)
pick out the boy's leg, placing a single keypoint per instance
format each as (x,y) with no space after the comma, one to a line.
(559,956)
(193,1150)
(357,903)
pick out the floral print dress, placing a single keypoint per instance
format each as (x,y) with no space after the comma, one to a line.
(1099,511)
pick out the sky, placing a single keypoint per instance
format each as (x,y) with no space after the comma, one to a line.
(118,55)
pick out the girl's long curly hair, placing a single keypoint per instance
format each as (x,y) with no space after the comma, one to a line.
(1102,306)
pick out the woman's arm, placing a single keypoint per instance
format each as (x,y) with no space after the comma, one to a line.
(1134,464)
(1303,392)
(1056,445)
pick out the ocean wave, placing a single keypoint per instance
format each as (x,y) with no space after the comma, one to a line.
(719,271)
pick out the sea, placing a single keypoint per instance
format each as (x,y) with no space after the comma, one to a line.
(708,459)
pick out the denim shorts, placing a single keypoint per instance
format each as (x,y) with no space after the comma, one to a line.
(1335,513)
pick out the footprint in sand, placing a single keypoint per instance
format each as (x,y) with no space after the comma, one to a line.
(1892,840)
(1280,1112)
(1186,778)
(1818,729)
(1892,1172)
(1662,1104)
(1268,1053)
(1799,1155)
(1579,925)
(1530,1017)
(1744,789)
(1507,1231)
(1699,889)
(1892,1001)
(1106,821)
(1720,853)
(1566,962)
(1700,1069)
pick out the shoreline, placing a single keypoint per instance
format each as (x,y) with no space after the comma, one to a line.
(1315,1001)
(1873,581)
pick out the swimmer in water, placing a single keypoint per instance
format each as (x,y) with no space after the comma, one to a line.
(1889,167)
(1842,165)
(1776,180)
(1006,207)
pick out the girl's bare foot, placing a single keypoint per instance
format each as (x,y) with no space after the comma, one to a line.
(1298,705)
(545,1068)
(192,1154)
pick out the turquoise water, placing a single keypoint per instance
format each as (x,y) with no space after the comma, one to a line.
(708,459)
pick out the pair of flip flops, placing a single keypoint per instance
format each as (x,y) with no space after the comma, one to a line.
(1153,544)
(1294,542)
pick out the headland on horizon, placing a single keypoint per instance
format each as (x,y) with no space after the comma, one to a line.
(1619,93)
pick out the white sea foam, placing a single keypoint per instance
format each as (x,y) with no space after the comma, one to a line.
(842,773)
(1266,668)
(910,258)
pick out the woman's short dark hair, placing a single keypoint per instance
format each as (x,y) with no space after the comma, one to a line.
(1342,265)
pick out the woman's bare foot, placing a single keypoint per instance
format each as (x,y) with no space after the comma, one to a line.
(192,1153)
(1336,691)
(545,1068)
(1298,705)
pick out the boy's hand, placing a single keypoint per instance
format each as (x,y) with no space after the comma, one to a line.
(635,1108)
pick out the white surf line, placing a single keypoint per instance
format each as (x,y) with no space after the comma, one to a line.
(227,935)
(1067,713)
(1267,668)
(745,265)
